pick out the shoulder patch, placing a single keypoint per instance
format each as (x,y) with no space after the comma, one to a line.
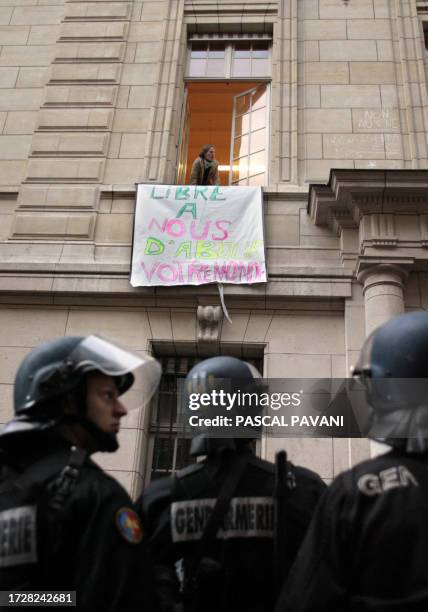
(129,525)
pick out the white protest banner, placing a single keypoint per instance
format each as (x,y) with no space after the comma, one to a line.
(193,235)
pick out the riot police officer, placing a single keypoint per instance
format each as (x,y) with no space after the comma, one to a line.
(213,523)
(64,523)
(367,547)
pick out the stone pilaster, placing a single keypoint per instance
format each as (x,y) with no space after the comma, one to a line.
(383,293)
(413,97)
(384,299)
(164,116)
(284,94)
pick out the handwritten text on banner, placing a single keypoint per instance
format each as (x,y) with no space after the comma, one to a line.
(193,235)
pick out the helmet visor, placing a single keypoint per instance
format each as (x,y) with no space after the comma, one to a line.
(96,354)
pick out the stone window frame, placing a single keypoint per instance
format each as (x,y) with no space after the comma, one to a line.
(229,43)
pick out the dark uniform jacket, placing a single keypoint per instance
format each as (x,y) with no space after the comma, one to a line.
(92,545)
(367,547)
(175,512)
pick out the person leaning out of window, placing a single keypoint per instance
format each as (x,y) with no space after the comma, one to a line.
(205,167)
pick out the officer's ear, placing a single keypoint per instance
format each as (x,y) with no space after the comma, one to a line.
(75,403)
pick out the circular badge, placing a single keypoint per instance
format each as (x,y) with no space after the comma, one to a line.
(129,525)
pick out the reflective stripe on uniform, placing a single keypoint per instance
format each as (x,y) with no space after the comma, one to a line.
(18,538)
(247,517)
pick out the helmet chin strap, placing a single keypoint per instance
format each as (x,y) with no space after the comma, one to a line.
(104,442)
(88,435)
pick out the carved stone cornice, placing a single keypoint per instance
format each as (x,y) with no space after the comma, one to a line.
(341,218)
(350,194)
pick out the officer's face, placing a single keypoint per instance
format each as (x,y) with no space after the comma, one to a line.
(102,401)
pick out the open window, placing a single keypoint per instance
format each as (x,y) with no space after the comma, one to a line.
(227,105)
(249,134)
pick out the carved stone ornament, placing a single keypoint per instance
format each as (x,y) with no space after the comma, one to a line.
(209,319)
(378,230)
(352,194)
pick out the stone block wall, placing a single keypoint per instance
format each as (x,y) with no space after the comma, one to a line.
(28,33)
(362,86)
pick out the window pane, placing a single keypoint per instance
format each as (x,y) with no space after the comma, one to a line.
(259,98)
(242,50)
(258,140)
(199,50)
(183,458)
(258,180)
(197,67)
(216,50)
(240,146)
(167,382)
(241,68)
(258,119)
(260,67)
(242,124)
(167,411)
(242,164)
(215,68)
(163,453)
(243,104)
(240,169)
(261,49)
(257,163)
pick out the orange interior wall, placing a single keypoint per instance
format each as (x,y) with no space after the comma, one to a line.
(211,107)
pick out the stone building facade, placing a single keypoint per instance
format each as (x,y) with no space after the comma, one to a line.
(93,99)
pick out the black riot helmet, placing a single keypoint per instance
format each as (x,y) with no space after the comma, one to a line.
(50,385)
(393,367)
(221,373)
